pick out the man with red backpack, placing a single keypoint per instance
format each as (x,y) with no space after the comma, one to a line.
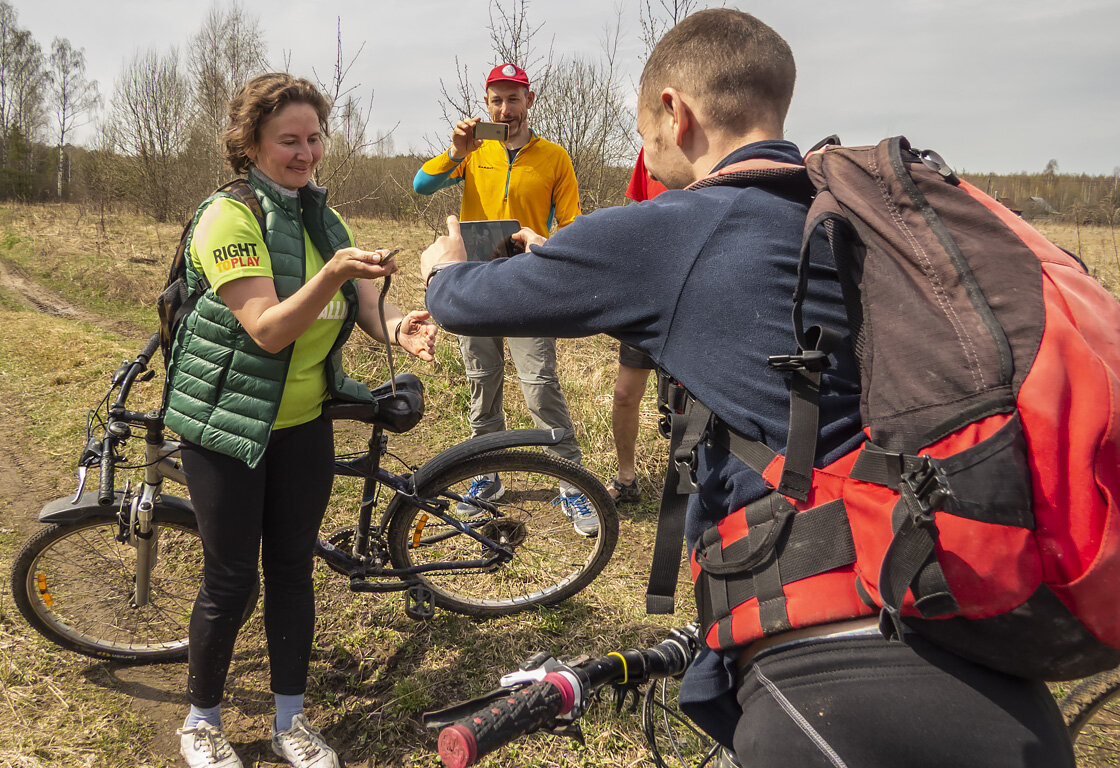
(715,266)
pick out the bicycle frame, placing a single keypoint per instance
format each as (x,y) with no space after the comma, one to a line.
(361,563)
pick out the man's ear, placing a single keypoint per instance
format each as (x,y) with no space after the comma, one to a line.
(530,96)
(679,113)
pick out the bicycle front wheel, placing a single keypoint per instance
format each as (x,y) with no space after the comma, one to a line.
(1092,713)
(74,583)
(551,561)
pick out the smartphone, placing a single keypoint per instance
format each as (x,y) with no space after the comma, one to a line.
(486,240)
(495,131)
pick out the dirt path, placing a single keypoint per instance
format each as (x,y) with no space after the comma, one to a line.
(156,690)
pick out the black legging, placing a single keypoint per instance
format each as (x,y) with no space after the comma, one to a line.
(273,511)
(868,703)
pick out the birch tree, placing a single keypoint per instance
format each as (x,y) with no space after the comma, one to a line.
(227,50)
(73,97)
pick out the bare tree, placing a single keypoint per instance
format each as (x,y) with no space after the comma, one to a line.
(151,119)
(586,112)
(349,141)
(513,38)
(23,83)
(73,97)
(226,51)
(657,20)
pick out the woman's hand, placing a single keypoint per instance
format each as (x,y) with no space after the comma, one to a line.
(354,262)
(417,335)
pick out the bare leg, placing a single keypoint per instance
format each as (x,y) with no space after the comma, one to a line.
(629,388)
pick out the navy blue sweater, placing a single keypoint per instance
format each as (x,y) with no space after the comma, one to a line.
(701,280)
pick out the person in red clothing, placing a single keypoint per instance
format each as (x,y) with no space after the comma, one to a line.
(633,372)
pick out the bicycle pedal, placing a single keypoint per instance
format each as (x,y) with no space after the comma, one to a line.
(419,603)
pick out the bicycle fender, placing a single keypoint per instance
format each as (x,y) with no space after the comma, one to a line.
(168,508)
(511,438)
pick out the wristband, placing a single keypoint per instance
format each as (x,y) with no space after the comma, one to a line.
(397,333)
(437,268)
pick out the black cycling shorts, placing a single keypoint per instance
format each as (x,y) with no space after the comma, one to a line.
(632,357)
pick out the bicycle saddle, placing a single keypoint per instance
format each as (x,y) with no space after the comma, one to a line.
(395,413)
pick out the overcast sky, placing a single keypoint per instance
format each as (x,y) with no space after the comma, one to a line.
(992,85)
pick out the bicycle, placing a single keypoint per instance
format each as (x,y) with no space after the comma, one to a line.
(1091,710)
(552,695)
(115,573)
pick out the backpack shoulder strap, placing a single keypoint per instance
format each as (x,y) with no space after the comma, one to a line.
(240,191)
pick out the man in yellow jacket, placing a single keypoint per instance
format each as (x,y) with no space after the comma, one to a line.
(529,179)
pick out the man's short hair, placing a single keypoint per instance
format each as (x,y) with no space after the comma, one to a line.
(741,70)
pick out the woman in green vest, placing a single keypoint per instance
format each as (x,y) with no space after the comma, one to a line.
(250,369)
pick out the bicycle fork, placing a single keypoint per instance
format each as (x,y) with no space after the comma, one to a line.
(142,532)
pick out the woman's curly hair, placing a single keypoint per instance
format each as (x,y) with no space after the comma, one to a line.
(260,98)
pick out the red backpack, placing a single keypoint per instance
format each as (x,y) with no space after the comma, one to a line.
(981,511)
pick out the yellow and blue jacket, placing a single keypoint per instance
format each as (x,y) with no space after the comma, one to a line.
(537,185)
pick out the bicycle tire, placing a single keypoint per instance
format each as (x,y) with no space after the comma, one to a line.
(674,741)
(1091,711)
(72,582)
(551,561)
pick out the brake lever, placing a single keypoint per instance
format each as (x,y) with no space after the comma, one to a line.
(90,456)
(81,485)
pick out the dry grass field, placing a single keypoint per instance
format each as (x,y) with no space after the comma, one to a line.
(76,299)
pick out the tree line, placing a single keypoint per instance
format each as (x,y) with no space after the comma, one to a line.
(156,147)
(156,143)
(1080,198)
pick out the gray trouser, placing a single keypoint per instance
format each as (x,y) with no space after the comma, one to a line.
(535,359)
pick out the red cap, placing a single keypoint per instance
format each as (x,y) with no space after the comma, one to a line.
(507,72)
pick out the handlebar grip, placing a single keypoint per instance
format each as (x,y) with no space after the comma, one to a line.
(148,350)
(105,490)
(503,721)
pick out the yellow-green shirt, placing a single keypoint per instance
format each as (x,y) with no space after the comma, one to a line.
(227,244)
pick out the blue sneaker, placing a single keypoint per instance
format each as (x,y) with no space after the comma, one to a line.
(579,510)
(484,488)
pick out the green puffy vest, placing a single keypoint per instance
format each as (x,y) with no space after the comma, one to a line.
(224,390)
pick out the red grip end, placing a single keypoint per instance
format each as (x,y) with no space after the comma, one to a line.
(567,694)
(457,747)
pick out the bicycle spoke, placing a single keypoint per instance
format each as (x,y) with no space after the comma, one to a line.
(83,585)
(550,558)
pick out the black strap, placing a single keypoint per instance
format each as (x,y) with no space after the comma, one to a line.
(684,420)
(754,454)
(805,368)
(911,559)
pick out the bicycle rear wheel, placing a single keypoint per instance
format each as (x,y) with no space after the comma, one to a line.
(551,560)
(1092,713)
(74,582)
(674,741)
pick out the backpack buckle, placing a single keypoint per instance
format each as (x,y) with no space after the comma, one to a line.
(925,485)
(809,360)
(686,462)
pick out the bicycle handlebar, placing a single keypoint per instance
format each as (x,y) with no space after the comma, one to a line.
(563,691)
(148,350)
(134,369)
(105,489)
(521,712)
(124,378)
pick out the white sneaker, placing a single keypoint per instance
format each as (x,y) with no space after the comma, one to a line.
(485,487)
(579,510)
(205,746)
(302,745)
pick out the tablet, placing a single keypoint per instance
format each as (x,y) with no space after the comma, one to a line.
(486,240)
